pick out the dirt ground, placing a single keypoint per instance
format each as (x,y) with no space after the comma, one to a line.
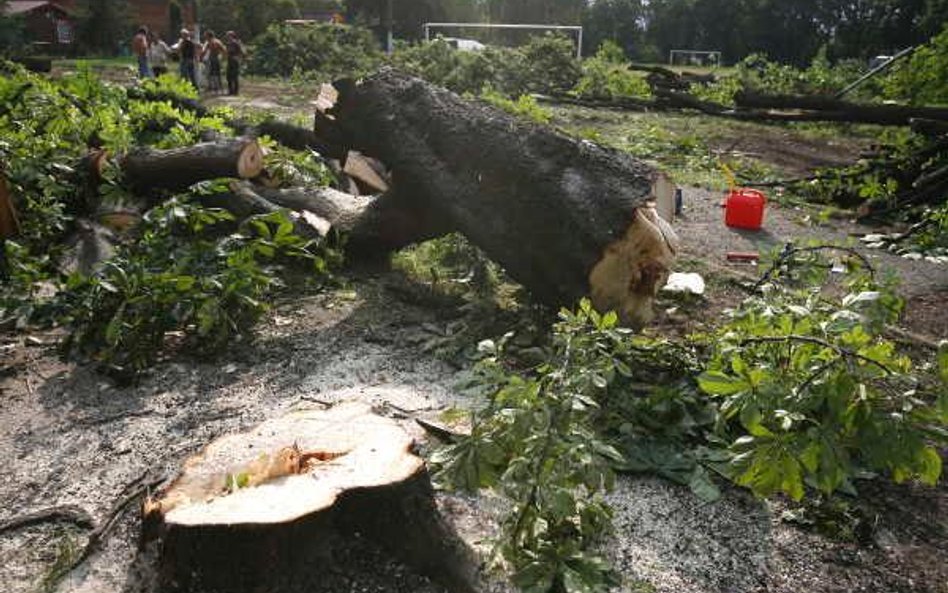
(69,436)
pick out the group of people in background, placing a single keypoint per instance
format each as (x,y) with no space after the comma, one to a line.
(153,55)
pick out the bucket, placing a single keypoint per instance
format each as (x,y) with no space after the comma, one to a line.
(744,208)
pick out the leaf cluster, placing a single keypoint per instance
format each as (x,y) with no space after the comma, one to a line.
(319,50)
(183,275)
(798,391)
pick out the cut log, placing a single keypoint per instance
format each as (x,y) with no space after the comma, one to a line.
(149,170)
(368,173)
(373,226)
(547,207)
(267,509)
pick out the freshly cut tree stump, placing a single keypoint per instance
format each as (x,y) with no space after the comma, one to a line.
(178,168)
(565,217)
(269,509)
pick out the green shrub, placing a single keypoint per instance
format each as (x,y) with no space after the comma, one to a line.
(796,392)
(325,50)
(606,76)
(546,64)
(550,64)
(524,106)
(182,276)
(923,79)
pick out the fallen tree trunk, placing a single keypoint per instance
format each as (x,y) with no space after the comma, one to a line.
(841,110)
(148,170)
(272,509)
(565,217)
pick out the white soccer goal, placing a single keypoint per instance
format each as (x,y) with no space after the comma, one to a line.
(691,57)
(575,29)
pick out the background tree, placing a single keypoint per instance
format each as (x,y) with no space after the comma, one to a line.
(104,26)
(11,32)
(248,17)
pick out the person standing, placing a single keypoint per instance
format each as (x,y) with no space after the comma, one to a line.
(235,54)
(187,53)
(213,49)
(158,52)
(140,51)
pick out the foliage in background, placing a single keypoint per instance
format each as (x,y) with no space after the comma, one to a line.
(248,18)
(524,106)
(797,392)
(607,76)
(104,27)
(322,50)
(11,32)
(922,79)
(758,73)
(546,64)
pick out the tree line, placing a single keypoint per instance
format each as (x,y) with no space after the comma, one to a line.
(784,30)
(787,31)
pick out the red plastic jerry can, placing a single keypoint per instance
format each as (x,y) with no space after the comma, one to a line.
(744,208)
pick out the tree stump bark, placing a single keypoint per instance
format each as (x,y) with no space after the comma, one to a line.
(148,170)
(269,509)
(565,217)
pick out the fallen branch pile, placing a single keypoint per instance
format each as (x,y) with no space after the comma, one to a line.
(671,91)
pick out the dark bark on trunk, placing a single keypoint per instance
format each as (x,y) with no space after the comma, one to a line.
(148,170)
(546,206)
(374,227)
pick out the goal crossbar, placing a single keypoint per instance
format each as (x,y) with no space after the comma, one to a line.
(575,28)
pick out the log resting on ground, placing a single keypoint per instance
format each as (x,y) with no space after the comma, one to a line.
(176,169)
(273,508)
(565,217)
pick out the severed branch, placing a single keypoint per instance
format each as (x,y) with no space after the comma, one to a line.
(789,252)
(57,514)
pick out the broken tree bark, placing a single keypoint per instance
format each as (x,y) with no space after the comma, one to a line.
(148,170)
(267,509)
(565,217)
(374,226)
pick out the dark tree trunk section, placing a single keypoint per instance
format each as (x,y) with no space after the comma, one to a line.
(549,208)
(148,170)
(374,227)
(309,511)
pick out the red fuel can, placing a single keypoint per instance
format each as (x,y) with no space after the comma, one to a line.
(744,208)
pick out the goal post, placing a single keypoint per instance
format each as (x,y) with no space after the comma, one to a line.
(428,27)
(694,57)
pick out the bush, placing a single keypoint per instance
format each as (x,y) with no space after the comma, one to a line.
(923,79)
(181,276)
(550,63)
(606,76)
(546,64)
(331,51)
(796,393)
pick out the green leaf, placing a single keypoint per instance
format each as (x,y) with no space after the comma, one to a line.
(929,462)
(718,383)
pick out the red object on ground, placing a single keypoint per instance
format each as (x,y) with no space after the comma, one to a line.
(744,208)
